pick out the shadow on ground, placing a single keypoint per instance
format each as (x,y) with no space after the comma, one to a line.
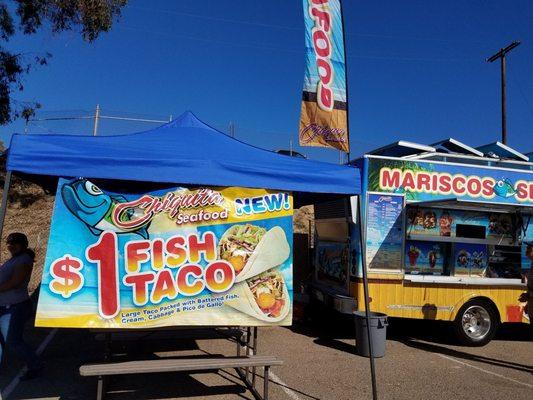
(337,331)
(458,354)
(71,348)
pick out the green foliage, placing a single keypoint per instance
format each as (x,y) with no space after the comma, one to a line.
(91,17)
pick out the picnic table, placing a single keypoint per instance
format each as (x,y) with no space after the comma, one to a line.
(244,362)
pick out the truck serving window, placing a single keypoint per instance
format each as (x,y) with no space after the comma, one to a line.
(471,231)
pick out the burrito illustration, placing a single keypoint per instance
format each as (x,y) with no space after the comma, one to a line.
(251,249)
(264,297)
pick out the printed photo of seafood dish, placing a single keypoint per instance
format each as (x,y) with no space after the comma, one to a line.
(264,297)
(238,244)
(268,291)
(251,249)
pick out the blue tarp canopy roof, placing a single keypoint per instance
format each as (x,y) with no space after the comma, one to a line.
(184,151)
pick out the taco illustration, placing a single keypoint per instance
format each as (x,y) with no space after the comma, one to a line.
(251,249)
(264,297)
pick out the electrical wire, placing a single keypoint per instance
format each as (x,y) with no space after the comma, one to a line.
(206,17)
(295,28)
(522,93)
(295,51)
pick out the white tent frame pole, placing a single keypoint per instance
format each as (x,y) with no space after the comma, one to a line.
(5,195)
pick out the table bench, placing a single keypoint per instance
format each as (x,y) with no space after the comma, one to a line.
(179,365)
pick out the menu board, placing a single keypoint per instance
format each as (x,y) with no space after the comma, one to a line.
(384,238)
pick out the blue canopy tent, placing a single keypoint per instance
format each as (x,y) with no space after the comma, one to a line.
(183,151)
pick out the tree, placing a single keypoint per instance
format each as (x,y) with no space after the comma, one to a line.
(91,17)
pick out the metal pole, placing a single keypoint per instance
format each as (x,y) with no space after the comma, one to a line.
(96,118)
(254,353)
(346,80)
(504,111)
(362,223)
(5,195)
(501,55)
(248,350)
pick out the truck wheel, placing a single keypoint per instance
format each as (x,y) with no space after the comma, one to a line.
(476,323)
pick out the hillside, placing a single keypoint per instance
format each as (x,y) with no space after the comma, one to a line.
(29,211)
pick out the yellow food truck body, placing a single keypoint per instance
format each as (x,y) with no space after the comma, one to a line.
(437,301)
(447,236)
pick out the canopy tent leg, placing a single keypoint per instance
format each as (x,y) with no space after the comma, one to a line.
(5,195)
(248,349)
(254,352)
(362,236)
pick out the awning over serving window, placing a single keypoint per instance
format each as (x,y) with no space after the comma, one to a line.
(184,151)
(466,204)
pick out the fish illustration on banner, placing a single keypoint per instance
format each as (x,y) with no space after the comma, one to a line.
(324,110)
(95,208)
(177,256)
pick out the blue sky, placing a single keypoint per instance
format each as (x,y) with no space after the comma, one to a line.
(416,71)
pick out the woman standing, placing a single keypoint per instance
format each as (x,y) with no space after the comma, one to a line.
(15,303)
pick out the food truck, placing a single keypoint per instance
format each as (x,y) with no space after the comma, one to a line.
(447,235)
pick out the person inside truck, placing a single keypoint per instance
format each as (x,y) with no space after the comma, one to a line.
(527,297)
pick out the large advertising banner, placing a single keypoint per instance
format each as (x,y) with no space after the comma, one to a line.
(324,117)
(202,256)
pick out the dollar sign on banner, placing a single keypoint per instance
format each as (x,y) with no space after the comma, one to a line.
(67,277)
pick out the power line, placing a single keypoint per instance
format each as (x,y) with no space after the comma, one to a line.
(522,93)
(294,28)
(294,51)
(231,21)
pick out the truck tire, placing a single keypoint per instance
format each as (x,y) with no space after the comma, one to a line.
(476,323)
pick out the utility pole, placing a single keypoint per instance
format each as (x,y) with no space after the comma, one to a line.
(96,118)
(501,55)
(231,129)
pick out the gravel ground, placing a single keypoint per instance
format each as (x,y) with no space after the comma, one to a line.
(421,363)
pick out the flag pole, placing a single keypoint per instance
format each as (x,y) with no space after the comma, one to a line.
(345,79)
